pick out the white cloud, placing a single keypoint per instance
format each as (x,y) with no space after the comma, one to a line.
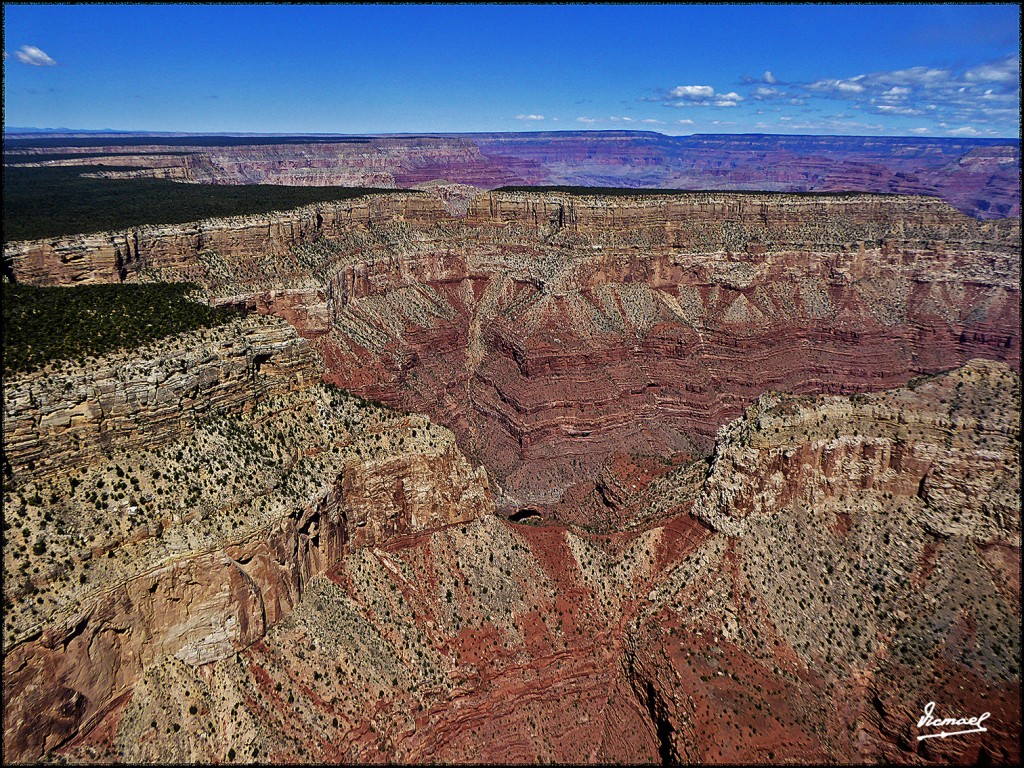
(892,109)
(701,96)
(923,76)
(767,78)
(586,119)
(651,121)
(34,57)
(896,93)
(966,130)
(920,130)
(838,86)
(696,92)
(1002,71)
(685,122)
(985,97)
(529,117)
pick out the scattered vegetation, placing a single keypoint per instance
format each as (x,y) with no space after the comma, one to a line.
(45,324)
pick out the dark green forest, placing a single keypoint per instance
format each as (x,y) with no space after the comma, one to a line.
(55,201)
(45,324)
(109,140)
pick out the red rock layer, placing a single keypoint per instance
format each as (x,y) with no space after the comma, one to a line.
(549,356)
(551,331)
(815,634)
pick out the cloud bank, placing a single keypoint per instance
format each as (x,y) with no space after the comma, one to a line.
(972,100)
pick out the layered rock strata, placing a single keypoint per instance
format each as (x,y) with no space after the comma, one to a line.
(111,257)
(980,177)
(552,331)
(199,523)
(66,415)
(852,595)
(868,562)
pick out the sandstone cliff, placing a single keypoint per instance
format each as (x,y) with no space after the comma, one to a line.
(67,415)
(297,560)
(110,257)
(869,564)
(175,502)
(551,331)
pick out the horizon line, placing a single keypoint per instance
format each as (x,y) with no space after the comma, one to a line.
(114,132)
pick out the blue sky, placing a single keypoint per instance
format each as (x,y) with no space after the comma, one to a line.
(943,70)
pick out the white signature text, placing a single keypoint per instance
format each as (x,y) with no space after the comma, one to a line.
(930,721)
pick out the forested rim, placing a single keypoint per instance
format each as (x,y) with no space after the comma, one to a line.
(117,140)
(41,325)
(55,201)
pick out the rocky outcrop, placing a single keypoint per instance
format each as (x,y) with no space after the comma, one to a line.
(816,634)
(840,571)
(188,511)
(110,257)
(552,331)
(67,415)
(958,460)
(566,329)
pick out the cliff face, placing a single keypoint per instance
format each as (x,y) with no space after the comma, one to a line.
(815,633)
(175,504)
(870,548)
(552,331)
(111,257)
(209,549)
(66,415)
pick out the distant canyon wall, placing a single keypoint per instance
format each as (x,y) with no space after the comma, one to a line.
(980,177)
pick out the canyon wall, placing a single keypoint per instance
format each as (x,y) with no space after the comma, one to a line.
(64,416)
(870,549)
(110,257)
(173,502)
(552,331)
(814,632)
(980,177)
(560,330)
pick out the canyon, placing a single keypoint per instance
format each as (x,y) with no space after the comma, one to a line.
(980,177)
(518,476)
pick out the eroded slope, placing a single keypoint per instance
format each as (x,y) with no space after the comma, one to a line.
(805,614)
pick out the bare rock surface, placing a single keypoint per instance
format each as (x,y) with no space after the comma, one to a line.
(980,177)
(813,634)
(747,514)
